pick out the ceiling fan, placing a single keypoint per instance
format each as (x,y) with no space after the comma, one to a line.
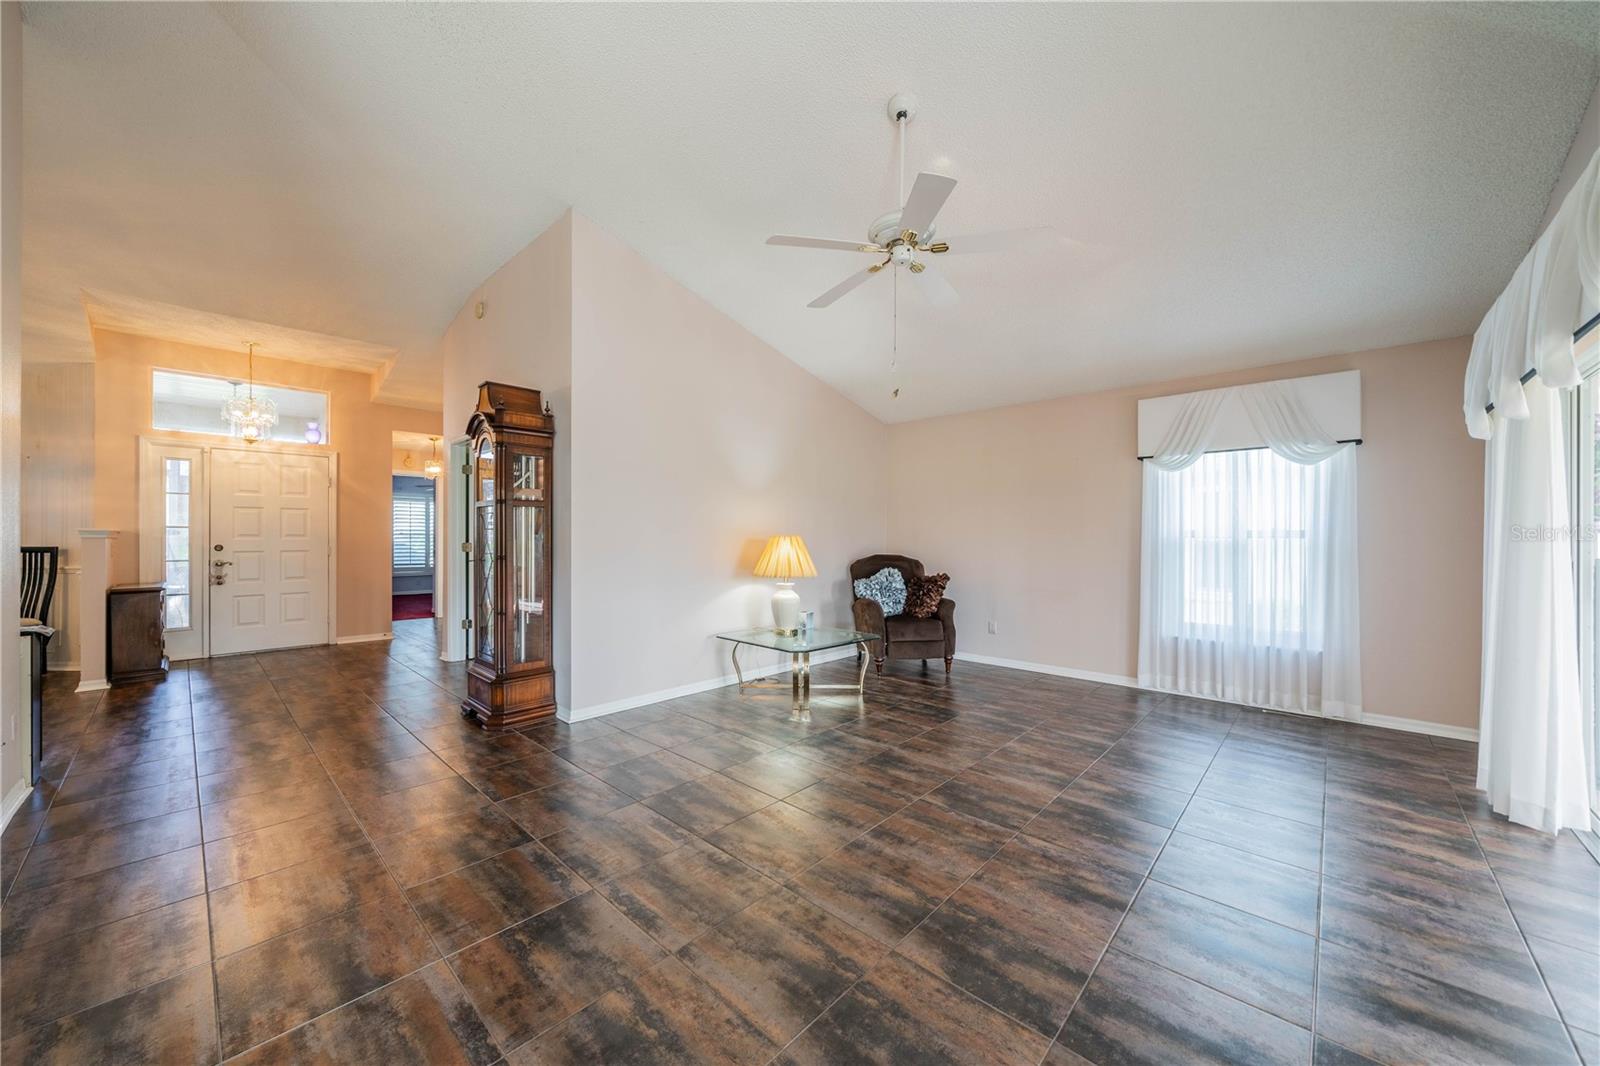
(905,237)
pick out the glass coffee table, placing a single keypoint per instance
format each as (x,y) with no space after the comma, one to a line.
(799,649)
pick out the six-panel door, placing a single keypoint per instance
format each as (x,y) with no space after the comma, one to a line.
(267,563)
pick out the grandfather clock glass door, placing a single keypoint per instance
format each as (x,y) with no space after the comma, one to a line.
(483,552)
(511,679)
(530,627)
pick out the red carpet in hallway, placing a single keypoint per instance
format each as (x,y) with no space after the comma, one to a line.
(417,605)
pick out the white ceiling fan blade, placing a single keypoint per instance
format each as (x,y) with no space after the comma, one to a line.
(1000,240)
(858,278)
(935,288)
(823,242)
(927,196)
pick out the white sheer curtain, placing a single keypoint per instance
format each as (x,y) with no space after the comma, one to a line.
(1531,758)
(1248,583)
(1531,753)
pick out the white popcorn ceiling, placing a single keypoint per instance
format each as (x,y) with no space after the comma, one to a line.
(1252,183)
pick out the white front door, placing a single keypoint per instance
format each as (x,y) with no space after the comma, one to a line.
(267,563)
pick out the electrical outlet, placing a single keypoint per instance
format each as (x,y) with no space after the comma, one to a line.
(994,628)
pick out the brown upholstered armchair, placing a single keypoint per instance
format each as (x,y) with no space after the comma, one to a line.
(901,636)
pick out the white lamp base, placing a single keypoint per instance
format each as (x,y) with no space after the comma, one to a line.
(786,609)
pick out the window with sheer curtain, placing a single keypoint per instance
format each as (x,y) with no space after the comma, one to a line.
(1244,517)
(1246,557)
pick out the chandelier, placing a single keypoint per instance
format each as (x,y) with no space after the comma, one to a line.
(433,468)
(248,417)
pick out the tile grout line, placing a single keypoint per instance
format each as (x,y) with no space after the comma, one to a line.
(370,992)
(1461,811)
(211,961)
(1143,880)
(1235,729)
(367,839)
(1316,948)
(893,949)
(1561,1018)
(785,883)
(135,914)
(205,874)
(50,805)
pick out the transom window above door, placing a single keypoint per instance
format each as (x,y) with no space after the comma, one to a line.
(192,403)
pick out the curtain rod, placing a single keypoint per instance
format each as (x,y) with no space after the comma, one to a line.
(1253,448)
(1578,335)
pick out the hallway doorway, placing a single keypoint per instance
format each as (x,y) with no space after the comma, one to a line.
(414,527)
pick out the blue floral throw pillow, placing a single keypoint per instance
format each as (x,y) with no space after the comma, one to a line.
(888,587)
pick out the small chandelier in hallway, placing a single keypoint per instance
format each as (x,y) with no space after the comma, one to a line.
(433,468)
(250,418)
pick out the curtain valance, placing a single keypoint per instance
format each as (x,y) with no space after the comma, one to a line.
(1528,331)
(1277,413)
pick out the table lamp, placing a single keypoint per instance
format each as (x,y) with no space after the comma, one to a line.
(785,558)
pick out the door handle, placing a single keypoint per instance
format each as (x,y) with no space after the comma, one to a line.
(219,576)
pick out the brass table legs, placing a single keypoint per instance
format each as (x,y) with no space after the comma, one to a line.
(800,686)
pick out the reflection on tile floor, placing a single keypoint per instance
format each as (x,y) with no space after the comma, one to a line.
(308,856)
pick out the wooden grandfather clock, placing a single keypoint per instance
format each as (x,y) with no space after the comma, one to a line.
(510,680)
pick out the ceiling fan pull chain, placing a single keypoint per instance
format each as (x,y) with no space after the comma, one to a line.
(894,328)
(894,340)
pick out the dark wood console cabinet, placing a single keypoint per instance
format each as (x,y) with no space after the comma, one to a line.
(135,645)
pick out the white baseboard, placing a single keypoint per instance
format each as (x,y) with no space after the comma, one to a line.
(19,792)
(363,638)
(1047,668)
(93,686)
(1417,725)
(1381,721)
(579,714)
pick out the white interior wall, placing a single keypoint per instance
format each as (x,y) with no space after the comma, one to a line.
(682,442)
(13,708)
(699,442)
(524,338)
(58,482)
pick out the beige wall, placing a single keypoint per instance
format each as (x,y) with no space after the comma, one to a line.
(58,482)
(14,755)
(360,431)
(524,338)
(411,460)
(1034,511)
(682,443)
(697,442)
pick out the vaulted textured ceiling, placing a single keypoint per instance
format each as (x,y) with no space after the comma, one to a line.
(1241,184)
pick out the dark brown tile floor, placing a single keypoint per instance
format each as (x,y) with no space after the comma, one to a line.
(308,856)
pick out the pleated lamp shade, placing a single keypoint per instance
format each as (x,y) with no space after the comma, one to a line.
(785,558)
